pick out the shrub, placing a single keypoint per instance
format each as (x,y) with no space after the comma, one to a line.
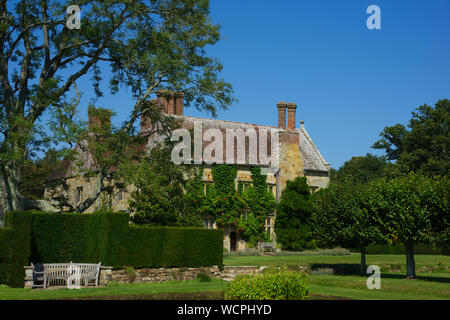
(131,274)
(282,285)
(203,277)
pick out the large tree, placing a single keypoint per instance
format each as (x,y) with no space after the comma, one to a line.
(145,46)
(361,169)
(423,146)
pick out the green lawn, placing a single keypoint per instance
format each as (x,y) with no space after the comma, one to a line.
(394,286)
(433,285)
(116,290)
(377,259)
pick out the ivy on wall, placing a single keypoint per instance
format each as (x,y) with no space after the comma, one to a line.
(243,211)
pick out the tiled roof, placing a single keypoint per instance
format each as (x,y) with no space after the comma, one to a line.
(312,158)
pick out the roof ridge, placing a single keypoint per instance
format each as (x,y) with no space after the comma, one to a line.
(227,121)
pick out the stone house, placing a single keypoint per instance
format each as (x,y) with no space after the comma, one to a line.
(296,155)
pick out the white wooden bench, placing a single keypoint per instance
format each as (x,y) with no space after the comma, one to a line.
(267,246)
(59,273)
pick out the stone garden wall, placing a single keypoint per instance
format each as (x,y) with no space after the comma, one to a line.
(107,274)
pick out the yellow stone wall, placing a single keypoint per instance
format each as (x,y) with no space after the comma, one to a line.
(88,186)
(291,163)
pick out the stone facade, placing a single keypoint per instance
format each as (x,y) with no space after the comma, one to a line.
(298,156)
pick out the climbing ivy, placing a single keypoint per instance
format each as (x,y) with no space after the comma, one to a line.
(243,211)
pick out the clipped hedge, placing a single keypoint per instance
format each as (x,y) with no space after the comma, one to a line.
(283,285)
(14,248)
(158,247)
(75,237)
(100,237)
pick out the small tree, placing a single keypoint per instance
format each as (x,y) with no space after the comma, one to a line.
(159,195)
(341,218)
(293,212)
(411,209)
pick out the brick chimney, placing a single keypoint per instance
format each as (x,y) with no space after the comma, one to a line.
(291,115)
(172,102)
(281,114)
(179,100)
(99,120)
(169,102)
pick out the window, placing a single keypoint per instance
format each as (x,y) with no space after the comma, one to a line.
(208,223)
(119,196)
(243,185)
(272,188)
(268,226)
(206,186)
(79,194)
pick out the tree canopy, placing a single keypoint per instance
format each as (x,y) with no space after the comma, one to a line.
(145,46)
(341,217)
(424,145)
(361,169)
(410,209)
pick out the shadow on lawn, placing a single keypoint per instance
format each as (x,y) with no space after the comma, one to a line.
(353,269)
(424,278)
(340,269)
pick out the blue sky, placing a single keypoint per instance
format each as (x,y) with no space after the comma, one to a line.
(349,82)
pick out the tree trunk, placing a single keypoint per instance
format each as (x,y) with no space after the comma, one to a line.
(410,263)
(90,200)
(3,199)
(363,267)
(10,196)
(12,200)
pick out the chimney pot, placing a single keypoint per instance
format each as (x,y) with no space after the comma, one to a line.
(172,101)
(291,115)
(99,120)
(281,114)
(179,99)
